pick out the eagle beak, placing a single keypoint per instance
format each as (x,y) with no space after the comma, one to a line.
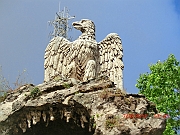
(77,25)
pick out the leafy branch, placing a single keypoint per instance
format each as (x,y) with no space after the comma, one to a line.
(162,86)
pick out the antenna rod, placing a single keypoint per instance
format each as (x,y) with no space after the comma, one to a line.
(59,6)
(60,23)
(58,15)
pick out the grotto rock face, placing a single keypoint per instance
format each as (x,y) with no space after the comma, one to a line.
(68,106)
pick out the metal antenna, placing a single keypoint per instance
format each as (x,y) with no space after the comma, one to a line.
(60,23)
(59,6)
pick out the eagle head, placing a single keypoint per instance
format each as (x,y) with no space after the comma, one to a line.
(84,26)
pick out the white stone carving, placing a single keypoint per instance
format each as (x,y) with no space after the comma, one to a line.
(84,58)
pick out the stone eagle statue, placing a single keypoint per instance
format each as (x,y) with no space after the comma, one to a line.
(84,58)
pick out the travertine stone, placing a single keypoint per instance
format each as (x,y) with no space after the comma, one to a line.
(84,58)
(95,107)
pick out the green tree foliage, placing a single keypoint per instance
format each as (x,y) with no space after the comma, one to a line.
(162,86)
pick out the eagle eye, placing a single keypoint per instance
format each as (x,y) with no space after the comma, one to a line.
(83,21)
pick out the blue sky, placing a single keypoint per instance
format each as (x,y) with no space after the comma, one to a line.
(150,31)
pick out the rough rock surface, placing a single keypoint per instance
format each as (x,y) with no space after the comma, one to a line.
(70,107)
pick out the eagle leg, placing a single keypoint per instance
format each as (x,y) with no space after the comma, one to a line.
(90,70)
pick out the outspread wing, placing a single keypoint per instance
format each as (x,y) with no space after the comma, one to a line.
(111,64)
(57,57)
